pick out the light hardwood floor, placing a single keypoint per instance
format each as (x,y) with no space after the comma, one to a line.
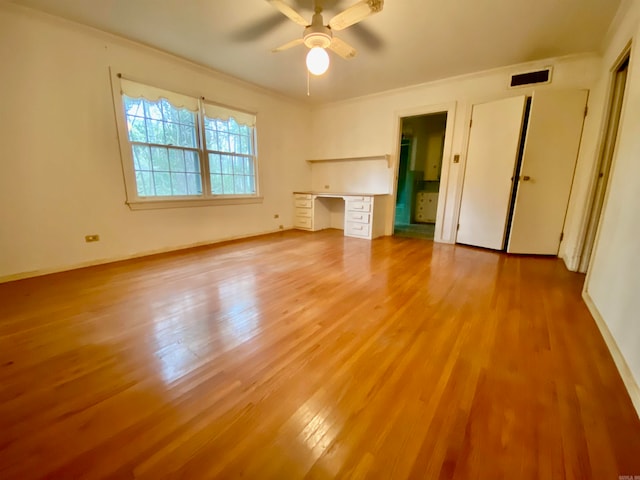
(311,355)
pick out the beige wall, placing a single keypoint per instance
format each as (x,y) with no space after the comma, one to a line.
(61,172)
(370,126)
(613,279)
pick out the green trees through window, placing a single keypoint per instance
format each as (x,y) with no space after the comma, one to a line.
(169,155)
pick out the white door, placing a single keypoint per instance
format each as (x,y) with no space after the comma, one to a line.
(494,139)
(548,163)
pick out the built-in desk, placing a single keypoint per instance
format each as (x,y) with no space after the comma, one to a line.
(364,213)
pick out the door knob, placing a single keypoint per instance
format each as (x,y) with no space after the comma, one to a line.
(526,178)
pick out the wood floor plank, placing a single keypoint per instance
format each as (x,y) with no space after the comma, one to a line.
(311,355)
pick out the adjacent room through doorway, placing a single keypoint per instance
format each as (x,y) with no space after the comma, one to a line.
(419,170)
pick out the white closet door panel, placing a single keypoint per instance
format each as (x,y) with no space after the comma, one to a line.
(546,175)
(491,159)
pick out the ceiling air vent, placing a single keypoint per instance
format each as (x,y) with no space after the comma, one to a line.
(531,78)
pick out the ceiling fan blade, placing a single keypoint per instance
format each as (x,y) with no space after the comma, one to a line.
(288,45)
(258,29)
(342,48)
(287,10)
(355,14)
(371,39)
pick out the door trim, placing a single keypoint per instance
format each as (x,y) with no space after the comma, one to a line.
(443,233)
(588,227)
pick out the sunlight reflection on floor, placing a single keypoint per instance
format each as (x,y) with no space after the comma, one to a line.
(184,319)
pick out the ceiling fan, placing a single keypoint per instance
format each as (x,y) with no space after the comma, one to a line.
(318,37)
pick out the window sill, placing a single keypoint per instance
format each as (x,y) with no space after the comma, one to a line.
(191,202)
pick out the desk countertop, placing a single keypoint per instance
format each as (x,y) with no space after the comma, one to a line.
(340,194)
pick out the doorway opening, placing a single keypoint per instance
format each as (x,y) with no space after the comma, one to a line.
(616,100)
(419,171)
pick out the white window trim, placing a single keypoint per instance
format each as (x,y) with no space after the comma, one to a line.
(136,202)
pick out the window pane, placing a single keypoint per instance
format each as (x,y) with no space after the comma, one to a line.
(141,157)
(176,160)
(137,129)
(133,106)
(223,142)
(163,183)
(249,166)
(159,159)
(172,133)
(155,131)
(227,184)
(238,166)
(153,110)
(239,184)
(187,117)
(211,139)
(169,112)
(214,163)
(187,136)
(233,125)
(221,126)
(194,184)
(144,184)
(216,184)
(250,184)
(192,162)
(159,122)
(244,145)
(234,143)
(179,184)
(227,164)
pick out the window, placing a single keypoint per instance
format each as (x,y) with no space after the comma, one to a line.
(229,148)
(166,158)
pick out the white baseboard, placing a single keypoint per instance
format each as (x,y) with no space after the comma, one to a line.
(146,253)
(618,358)
(572,262)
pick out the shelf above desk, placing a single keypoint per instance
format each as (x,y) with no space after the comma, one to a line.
(385,157)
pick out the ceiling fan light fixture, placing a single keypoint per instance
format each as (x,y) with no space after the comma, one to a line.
(317,61)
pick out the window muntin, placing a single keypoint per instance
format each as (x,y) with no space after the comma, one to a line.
(184,147)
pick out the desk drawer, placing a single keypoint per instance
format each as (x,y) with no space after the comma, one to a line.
(303,203)
(302,196)
(303,212)
(359,217)
(353,229)
(358,199)
(302,222)
(358,206)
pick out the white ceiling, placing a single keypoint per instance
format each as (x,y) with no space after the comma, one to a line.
(410,41)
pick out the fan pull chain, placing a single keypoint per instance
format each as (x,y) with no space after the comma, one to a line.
(308,92)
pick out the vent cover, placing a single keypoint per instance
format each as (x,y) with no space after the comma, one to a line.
(531,78)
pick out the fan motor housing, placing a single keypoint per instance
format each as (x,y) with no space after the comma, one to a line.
(317,34)
(317,39)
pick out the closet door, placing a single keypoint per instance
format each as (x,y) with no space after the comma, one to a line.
(494,139)
(546,175)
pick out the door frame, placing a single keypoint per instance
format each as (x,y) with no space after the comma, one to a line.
(588,227)
(441,234)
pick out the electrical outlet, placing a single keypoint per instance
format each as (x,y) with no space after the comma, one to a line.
(91,238)
(326,187)
(276,216)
